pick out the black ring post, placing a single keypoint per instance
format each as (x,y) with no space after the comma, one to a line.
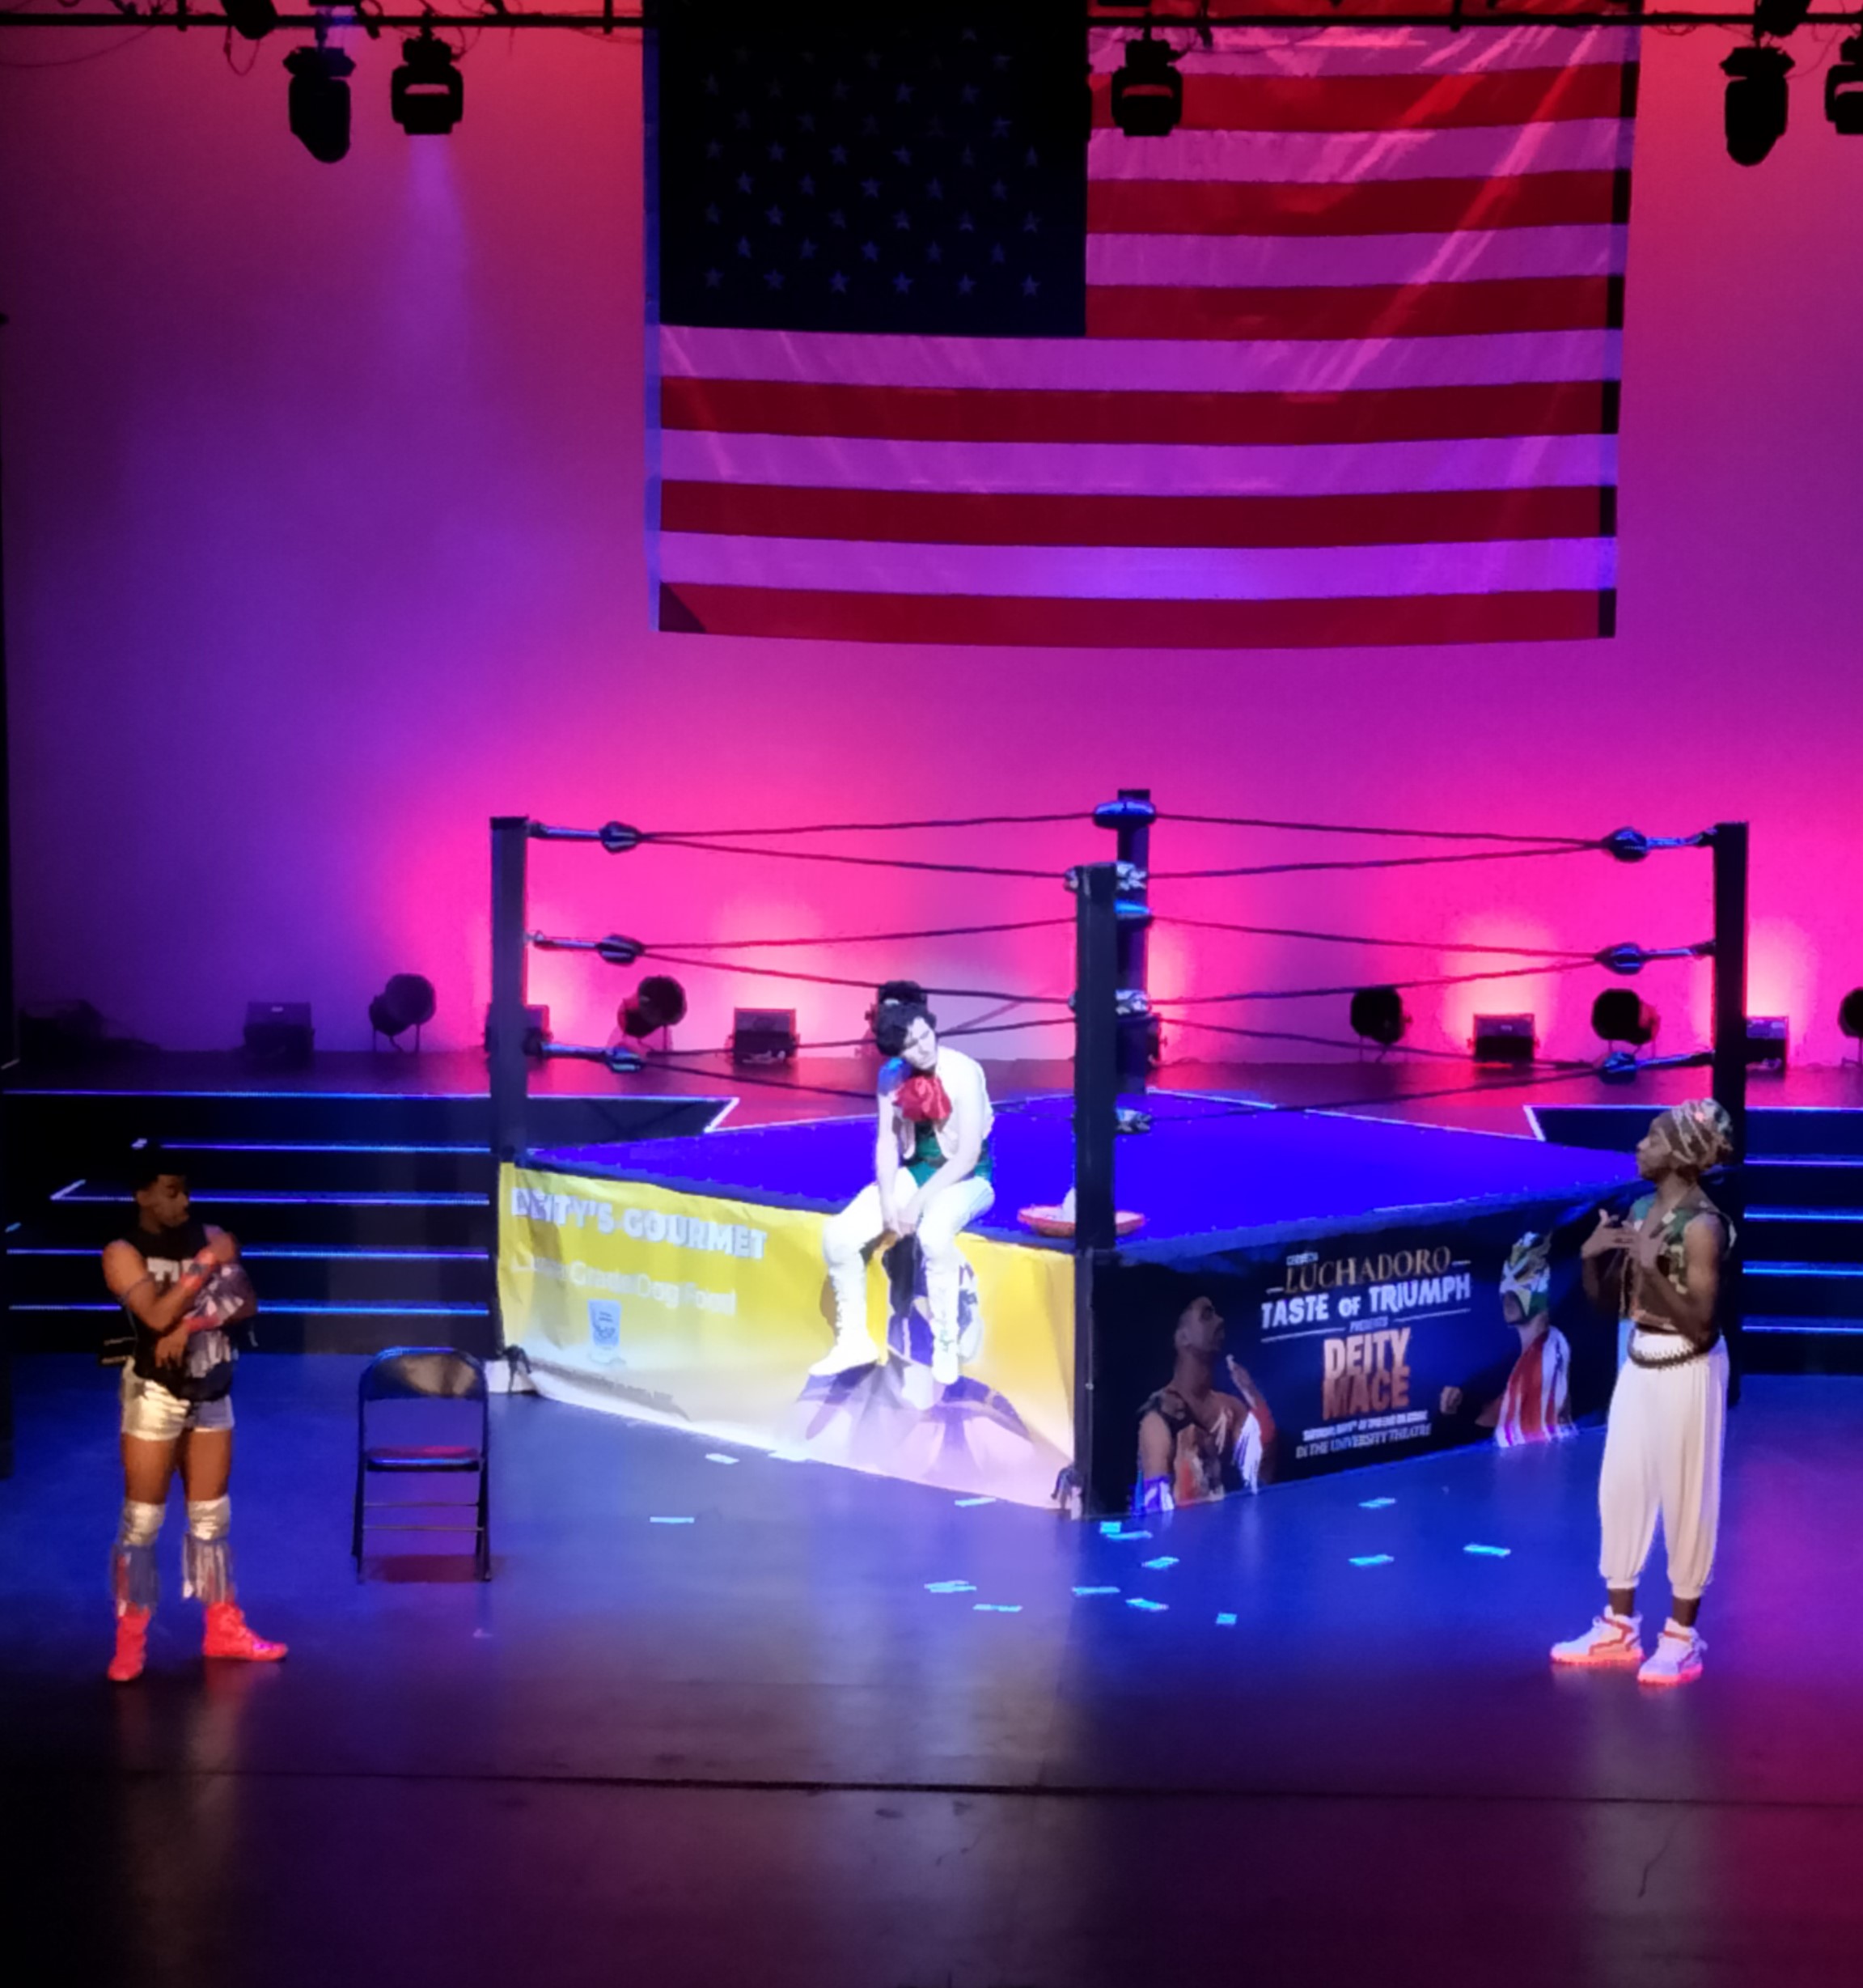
(510,851)
(1095,1108)
(1133,828)
(1729,841)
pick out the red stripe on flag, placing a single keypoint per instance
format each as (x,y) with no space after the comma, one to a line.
(1023,622)
(937,414)
(1527,199)
(1374,311)
(952,518)
(1517,96)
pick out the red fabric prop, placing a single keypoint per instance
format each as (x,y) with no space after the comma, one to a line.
(923,1099)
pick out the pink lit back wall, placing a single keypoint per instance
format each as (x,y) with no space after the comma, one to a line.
(324,505)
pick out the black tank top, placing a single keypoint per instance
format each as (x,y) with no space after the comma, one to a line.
(168,1253)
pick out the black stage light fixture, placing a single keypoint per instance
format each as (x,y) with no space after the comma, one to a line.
(1377,1014)
(427,94)
(407,1002)
(659,1001)
(1768,1038)
(1147,91)
(763,1035)
(1850,1017)
(251,19)
(1757,101)
(279,1034)
(1511,1040)
(1618,1016)
(319,101)
(1843,89)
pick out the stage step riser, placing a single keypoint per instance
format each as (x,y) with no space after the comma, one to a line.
(336,1276)
(1797,1345)
(70,1330)
(1804,1235)
(324,1169)
(1773,1131)
(1803,1290)
(402,1223)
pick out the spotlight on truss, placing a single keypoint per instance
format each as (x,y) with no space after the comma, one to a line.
(1843,89)
(427,94)
(1754,113)
(1377,1014)
(319,101)
(1147,91)
(1618,1016)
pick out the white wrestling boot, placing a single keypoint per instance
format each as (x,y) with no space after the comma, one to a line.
(854,1345)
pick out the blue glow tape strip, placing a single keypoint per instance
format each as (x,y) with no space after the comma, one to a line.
(950,1587)
(670,1522)
(1373,1504)
(1493,1553)
(1096,1591)
(1150,1608)
(719,1456)
(998,1608)
(1164,1560)
(1372,1560)
(976,1501)
(1225,1622)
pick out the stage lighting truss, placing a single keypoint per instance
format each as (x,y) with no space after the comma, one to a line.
(427,94)
(1757,101)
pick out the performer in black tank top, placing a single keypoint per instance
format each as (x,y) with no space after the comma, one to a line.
(185,1296)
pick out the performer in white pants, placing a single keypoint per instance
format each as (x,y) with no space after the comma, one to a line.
(1662,1446)
(932,1166)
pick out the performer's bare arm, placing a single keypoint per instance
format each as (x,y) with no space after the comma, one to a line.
(164,1312)
(1154,1446)
(886,1158)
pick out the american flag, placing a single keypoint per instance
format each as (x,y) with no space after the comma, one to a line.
(1336,362)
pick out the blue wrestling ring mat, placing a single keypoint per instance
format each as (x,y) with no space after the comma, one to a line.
(1219,1168)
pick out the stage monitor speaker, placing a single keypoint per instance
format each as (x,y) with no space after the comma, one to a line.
(763,1035)
(1510,1040)
(1768,1041)
(278,1033)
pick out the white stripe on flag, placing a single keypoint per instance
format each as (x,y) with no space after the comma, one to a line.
(1363,49)
(1138,365)
(1473,152)
(1138,469)
(1274,261)
(1141,573)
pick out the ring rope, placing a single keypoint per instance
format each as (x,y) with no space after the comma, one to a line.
(860,938)
(1339,828)
(1370,863)
(844,980)
(870,828)
(1353,938)
(1437,980)
(863,863)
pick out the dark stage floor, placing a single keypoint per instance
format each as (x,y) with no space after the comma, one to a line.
(756,1747)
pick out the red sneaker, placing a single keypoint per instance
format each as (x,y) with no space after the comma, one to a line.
(132,1646)
(227,1636)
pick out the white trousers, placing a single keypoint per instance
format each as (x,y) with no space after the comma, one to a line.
(847,1237)
(1663,1460)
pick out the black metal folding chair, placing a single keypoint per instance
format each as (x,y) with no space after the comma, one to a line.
(431,1374)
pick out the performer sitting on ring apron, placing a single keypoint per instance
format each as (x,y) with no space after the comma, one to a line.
(932,1167)
(1663,1443)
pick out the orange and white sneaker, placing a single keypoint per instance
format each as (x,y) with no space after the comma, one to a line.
(1676,1660)
(132,1646)
(1614,1641)
(226,1635)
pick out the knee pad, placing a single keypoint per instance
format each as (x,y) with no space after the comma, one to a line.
(209,1518)
(139,1524)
